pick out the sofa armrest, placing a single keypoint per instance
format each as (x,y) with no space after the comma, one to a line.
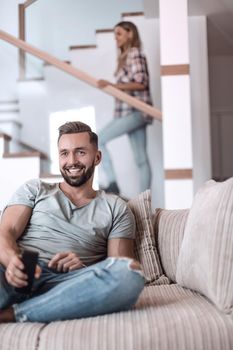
(169,228)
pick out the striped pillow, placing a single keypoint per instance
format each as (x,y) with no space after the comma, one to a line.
(169,226)
(205,263)
(145,247)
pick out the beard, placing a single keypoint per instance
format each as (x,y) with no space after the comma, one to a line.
(78,180)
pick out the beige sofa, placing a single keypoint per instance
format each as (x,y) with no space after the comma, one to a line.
(167,316)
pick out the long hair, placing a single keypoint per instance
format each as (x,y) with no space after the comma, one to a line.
(134,41)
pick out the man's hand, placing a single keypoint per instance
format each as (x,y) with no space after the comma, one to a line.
(65,261)
(15,275)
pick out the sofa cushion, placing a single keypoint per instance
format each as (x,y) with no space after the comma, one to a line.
(169,226)
(20,336)
(166,317)
(206,255)
(145,247)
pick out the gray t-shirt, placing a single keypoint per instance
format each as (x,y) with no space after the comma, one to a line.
(57,225)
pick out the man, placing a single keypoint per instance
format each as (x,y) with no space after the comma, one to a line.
(84,238)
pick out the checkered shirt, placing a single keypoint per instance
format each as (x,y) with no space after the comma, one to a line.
(134,70)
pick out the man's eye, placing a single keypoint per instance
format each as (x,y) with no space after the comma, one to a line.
(82,153)
(63,154)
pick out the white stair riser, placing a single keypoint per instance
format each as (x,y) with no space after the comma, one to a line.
(14,172)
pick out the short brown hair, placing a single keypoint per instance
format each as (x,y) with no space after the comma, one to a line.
(77,127)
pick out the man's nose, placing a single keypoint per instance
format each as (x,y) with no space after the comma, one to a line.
(72,158)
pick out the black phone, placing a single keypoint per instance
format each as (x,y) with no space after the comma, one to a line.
(29,259)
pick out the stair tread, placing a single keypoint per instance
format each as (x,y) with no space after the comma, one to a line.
(74,47)
(50,64)
(131,14)
(31,79)
(5,136)
(8,110)
(106,30)
(24,154)
(9,102)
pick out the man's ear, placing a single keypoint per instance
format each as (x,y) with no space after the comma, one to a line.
(98,157)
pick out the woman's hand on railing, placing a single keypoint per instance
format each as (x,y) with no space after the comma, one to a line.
(103,83)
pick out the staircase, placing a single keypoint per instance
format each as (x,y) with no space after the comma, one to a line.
(57,91)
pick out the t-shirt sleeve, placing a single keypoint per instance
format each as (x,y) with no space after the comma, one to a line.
(25,194)
(123,221)
(138,67)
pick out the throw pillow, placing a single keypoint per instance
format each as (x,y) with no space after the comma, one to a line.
(145,247)
(206,255)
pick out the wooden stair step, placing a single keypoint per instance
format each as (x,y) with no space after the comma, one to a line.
(132,14)
(24,154)
(99,31)
(5,136)
(78,47)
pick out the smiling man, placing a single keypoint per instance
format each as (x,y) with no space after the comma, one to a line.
(84,238)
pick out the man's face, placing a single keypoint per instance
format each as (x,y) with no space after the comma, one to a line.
(77,158)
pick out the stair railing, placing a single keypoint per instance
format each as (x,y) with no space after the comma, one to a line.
(68,68)
(22,36)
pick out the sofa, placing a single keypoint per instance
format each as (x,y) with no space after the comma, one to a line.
(187,258)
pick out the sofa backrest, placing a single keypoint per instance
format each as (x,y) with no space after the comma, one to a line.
(169,228)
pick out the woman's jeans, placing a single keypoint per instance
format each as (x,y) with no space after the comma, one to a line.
(134,125)
(109,286)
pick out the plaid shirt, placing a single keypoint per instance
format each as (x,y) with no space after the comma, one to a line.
(134,70)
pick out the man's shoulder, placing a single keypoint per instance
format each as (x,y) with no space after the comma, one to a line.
(116,203)
(111,198)
(37,186)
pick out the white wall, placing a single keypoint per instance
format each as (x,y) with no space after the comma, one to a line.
(199,79)
(14,172)
(221,97)
(221,82)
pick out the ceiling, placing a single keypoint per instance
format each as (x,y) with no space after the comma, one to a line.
(220,23)
(219,15)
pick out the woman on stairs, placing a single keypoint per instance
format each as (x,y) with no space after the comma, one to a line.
(131,77)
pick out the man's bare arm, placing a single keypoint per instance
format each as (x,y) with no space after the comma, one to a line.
(121,247)
(13,223)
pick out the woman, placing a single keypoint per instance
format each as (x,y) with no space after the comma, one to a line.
(131,77)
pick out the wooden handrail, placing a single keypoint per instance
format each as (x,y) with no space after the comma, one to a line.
(28,3)
(21,16)
(22,60)
(68,68)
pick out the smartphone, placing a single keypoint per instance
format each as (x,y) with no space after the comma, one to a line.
(29,259)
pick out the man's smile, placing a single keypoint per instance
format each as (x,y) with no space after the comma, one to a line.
(74,170)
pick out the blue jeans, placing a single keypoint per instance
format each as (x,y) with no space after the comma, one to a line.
(108,286)
(134,125)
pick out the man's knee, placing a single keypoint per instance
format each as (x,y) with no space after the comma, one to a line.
(125,268)
(131,282)
(135,265)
